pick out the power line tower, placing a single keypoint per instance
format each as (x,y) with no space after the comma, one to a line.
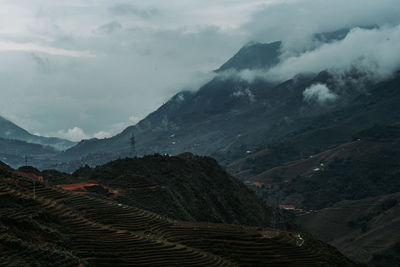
(133,146)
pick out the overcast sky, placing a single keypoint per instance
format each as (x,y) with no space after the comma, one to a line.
(84,68)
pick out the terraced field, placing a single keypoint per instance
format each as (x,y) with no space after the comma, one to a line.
(55,227)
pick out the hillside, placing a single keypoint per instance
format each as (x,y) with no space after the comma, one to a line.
(363,168)
(64,228)
(255,124)
(185,187)
(368,229)
(224,119)
(326,131)
(348,196)
(9,130)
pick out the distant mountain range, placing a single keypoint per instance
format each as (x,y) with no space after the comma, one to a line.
(9,130)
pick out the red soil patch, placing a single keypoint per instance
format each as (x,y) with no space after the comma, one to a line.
(82,187)
(257,184)
(114,192)
(29,175)
(78,186)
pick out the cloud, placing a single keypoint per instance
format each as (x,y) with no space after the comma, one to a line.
(134,119)
(31,47)
(77,134)
(374,52)
(126,9)
(102,135)
(296,21)
(43,64)
(74,134)
(320,93)
(111,27)
(143,57)
(244,92)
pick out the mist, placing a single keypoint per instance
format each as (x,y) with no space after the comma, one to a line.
(78,69)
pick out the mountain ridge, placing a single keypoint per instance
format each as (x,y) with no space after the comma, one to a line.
(10,129)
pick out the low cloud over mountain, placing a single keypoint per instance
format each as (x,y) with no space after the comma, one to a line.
(93,65)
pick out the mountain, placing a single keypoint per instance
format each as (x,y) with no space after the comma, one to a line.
(378,106)
(16,152)
(230,119)
(9,130)
(340,34)
(210,99)
(254,56)
(48,226)
(22,148)
(223,116)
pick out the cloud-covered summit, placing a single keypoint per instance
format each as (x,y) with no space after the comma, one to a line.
(93,65)
(371,51)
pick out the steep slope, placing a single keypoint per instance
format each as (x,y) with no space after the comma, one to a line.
(185,187)
(354,188)
(368,229)
(217,96)
(378,107)
(59,227)
(110,148)
(363,168)
(229,119)
(254,56)
(9,130)
(225,118)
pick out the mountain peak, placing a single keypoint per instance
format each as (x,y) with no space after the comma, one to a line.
(254,55)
